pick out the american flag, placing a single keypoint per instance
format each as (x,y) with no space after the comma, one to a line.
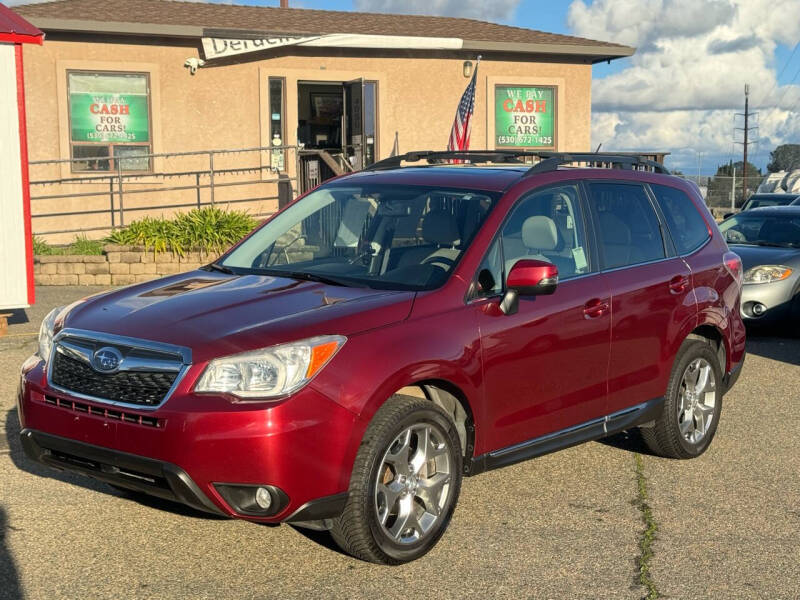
(462,125)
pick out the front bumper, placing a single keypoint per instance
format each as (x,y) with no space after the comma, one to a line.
(303,446)
(774,299)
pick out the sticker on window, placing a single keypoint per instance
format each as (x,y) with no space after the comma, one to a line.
(580,259)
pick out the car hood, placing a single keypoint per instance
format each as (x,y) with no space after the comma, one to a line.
(753,256)
(215,314)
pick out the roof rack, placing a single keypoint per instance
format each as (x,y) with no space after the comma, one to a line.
(550,161)
(441,156)
(547,161)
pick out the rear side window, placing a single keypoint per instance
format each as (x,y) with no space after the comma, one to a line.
(687,227)
(627,226)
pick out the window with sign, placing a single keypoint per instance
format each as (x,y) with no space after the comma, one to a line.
(525,116)
(109,121)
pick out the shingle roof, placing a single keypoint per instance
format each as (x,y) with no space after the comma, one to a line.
(298,20)
(16,29)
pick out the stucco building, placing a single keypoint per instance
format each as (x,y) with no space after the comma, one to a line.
(119,80)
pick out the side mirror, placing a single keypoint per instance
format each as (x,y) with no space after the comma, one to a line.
(528,278)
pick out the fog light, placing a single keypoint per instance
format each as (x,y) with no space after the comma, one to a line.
(758,309)
(263,498)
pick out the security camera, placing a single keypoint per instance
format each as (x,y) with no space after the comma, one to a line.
(193,63)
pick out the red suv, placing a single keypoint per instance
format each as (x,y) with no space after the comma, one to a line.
(396,329)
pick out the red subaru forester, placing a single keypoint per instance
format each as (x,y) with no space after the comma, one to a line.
(394,330)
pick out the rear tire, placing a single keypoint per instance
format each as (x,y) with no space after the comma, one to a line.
(692,405)
(404,486)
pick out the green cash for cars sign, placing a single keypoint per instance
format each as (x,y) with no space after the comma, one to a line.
(109,117)
(524,117)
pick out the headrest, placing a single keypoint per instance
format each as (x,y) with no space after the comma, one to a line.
(440,228)
(615,231)
(539,233)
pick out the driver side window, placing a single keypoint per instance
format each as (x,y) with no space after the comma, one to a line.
(547,225)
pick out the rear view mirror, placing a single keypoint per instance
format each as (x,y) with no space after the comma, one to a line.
(528,278)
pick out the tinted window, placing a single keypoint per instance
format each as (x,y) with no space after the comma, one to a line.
(627,225)
(547,225)
(762,229)
(687,227)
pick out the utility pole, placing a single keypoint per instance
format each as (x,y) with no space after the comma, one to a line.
(746,129)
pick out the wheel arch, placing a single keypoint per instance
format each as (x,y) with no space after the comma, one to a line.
(712,335)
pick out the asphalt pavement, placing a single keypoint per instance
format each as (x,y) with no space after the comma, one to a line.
(574,524)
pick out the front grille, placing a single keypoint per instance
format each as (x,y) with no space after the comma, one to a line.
(131,387)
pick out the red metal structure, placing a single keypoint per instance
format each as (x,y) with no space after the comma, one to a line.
(16,244)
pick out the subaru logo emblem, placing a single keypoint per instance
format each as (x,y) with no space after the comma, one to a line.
(106,360)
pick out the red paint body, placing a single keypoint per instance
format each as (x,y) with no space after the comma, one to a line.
(602,342)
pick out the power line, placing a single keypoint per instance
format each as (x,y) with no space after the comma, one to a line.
(778,78)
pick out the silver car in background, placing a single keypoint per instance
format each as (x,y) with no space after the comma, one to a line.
(768,241)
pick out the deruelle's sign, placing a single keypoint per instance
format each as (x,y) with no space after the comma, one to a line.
(109,117)
(525,116)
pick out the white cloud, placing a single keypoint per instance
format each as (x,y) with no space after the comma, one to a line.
(486,10)
(687,78)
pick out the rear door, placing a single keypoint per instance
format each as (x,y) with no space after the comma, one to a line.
(649,290)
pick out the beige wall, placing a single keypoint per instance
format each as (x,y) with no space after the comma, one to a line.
(226,106)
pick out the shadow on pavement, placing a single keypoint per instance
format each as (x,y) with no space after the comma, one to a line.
(10,587)
(22,462)
(630,441)
(764,343)
(323,538)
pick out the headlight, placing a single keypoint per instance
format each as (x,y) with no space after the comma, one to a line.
(766,274)
(46,333)
(269,372)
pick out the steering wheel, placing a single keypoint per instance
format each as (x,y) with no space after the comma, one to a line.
(734,236)
(447,263)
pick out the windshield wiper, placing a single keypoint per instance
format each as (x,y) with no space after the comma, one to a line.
(305,276)
(777,244)
(218,267)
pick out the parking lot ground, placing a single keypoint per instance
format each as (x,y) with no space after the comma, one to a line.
(566,525)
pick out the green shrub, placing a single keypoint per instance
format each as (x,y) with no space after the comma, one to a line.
(42,248)
(210,229)
(84,246)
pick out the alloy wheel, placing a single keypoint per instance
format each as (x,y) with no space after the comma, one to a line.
(413,483)
(697,399)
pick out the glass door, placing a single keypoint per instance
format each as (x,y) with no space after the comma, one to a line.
(353,140)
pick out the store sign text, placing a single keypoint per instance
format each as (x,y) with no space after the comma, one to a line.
(524,117)
(109,118)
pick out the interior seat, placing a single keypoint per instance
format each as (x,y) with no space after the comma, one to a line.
(540,238)
(441,235)
(616,236)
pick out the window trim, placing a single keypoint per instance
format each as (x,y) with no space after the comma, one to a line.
(667,247)
(591,256)
(112,161)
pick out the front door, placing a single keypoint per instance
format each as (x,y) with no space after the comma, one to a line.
(545,367)
(353,140)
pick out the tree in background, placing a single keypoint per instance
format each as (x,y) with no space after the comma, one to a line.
(784,158)
(719,188)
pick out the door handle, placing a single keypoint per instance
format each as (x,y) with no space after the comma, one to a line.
(595,308)
(678,284)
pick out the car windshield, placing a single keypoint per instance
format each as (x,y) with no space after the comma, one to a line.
(762,229)
(382,236)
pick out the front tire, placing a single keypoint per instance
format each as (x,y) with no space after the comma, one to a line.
(404,486)
(692,405)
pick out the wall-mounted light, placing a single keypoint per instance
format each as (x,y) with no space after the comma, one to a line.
(467,68)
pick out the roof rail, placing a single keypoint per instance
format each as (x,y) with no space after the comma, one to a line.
(548,161)
(552,160)
(437,156)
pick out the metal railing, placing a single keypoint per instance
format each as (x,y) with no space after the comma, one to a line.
(77,200)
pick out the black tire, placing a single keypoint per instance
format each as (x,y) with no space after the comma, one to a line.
(665,437)
(358,530)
